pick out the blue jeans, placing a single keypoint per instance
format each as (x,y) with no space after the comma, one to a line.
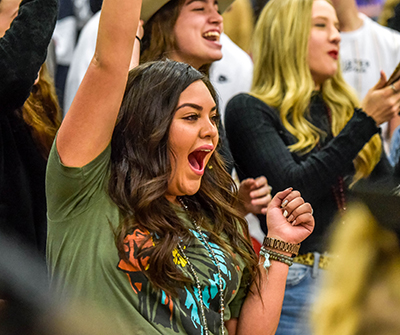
(301,288)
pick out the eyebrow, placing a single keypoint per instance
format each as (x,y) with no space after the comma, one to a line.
(191,1)
(194,106)
(320,17)
(205,1)
(336,23)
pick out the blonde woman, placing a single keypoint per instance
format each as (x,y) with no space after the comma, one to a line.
(302,126)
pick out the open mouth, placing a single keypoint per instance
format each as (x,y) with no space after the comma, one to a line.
(334,54)
(197,158)
(212,36)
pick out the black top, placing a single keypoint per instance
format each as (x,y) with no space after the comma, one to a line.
(22,168)
(259,144)
(394,21)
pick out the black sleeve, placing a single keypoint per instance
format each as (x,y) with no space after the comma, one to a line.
(23,50)
(224,149)
(394,21)
(259,146)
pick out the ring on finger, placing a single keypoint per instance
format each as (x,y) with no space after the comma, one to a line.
(395,90)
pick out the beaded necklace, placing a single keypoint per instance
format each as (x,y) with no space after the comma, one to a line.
(193,271)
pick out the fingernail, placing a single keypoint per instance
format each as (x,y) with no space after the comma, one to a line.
(289,188)
(285,213)
(270,188)
(284,203)
(291,217)
(294,223)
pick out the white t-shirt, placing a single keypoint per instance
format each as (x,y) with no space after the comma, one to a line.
(231,75)
(81,59)
(364,53)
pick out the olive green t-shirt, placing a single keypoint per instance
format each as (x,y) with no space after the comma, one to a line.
(85,267)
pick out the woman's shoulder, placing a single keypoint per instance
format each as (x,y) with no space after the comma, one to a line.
(250,103)
(247,99)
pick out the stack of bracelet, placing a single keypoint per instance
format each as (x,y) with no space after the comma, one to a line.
(271,243)
(275,256)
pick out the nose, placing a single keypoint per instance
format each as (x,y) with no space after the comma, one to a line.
(215,16)
(208,129)
(335,35)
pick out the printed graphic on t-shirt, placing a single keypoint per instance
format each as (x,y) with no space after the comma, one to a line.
(183,312)
(355,65)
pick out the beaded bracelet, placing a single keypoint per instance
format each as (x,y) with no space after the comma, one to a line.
(275,256)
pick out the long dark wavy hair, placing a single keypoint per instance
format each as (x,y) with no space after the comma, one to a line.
(141,169)
(159,38)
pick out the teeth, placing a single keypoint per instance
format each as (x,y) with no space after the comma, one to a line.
(206,150)
(211,34)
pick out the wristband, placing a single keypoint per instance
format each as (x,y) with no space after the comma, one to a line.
(273,243)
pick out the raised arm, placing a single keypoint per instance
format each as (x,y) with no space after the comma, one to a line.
(89,124)
(23,50)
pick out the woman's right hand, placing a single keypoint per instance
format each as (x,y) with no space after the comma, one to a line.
(382,102)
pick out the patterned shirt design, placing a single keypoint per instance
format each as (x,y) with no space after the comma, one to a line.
(173,313)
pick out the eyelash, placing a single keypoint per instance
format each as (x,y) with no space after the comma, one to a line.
(323,25)
(200,9)
(216,118)
(194,117)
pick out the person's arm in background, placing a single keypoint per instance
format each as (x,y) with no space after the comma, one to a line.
(23,50)
(347,13)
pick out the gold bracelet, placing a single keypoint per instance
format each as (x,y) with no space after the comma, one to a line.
(273,243)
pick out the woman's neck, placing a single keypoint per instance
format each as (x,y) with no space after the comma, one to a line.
(192,62)
(172,199)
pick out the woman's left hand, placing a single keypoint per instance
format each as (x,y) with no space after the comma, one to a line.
(289,217)
(254,195)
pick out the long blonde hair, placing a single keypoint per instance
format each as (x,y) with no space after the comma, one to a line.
(360,294)
(282,79)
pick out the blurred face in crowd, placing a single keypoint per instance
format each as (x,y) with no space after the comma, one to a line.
(197,33)
(323,45)
(8,11)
